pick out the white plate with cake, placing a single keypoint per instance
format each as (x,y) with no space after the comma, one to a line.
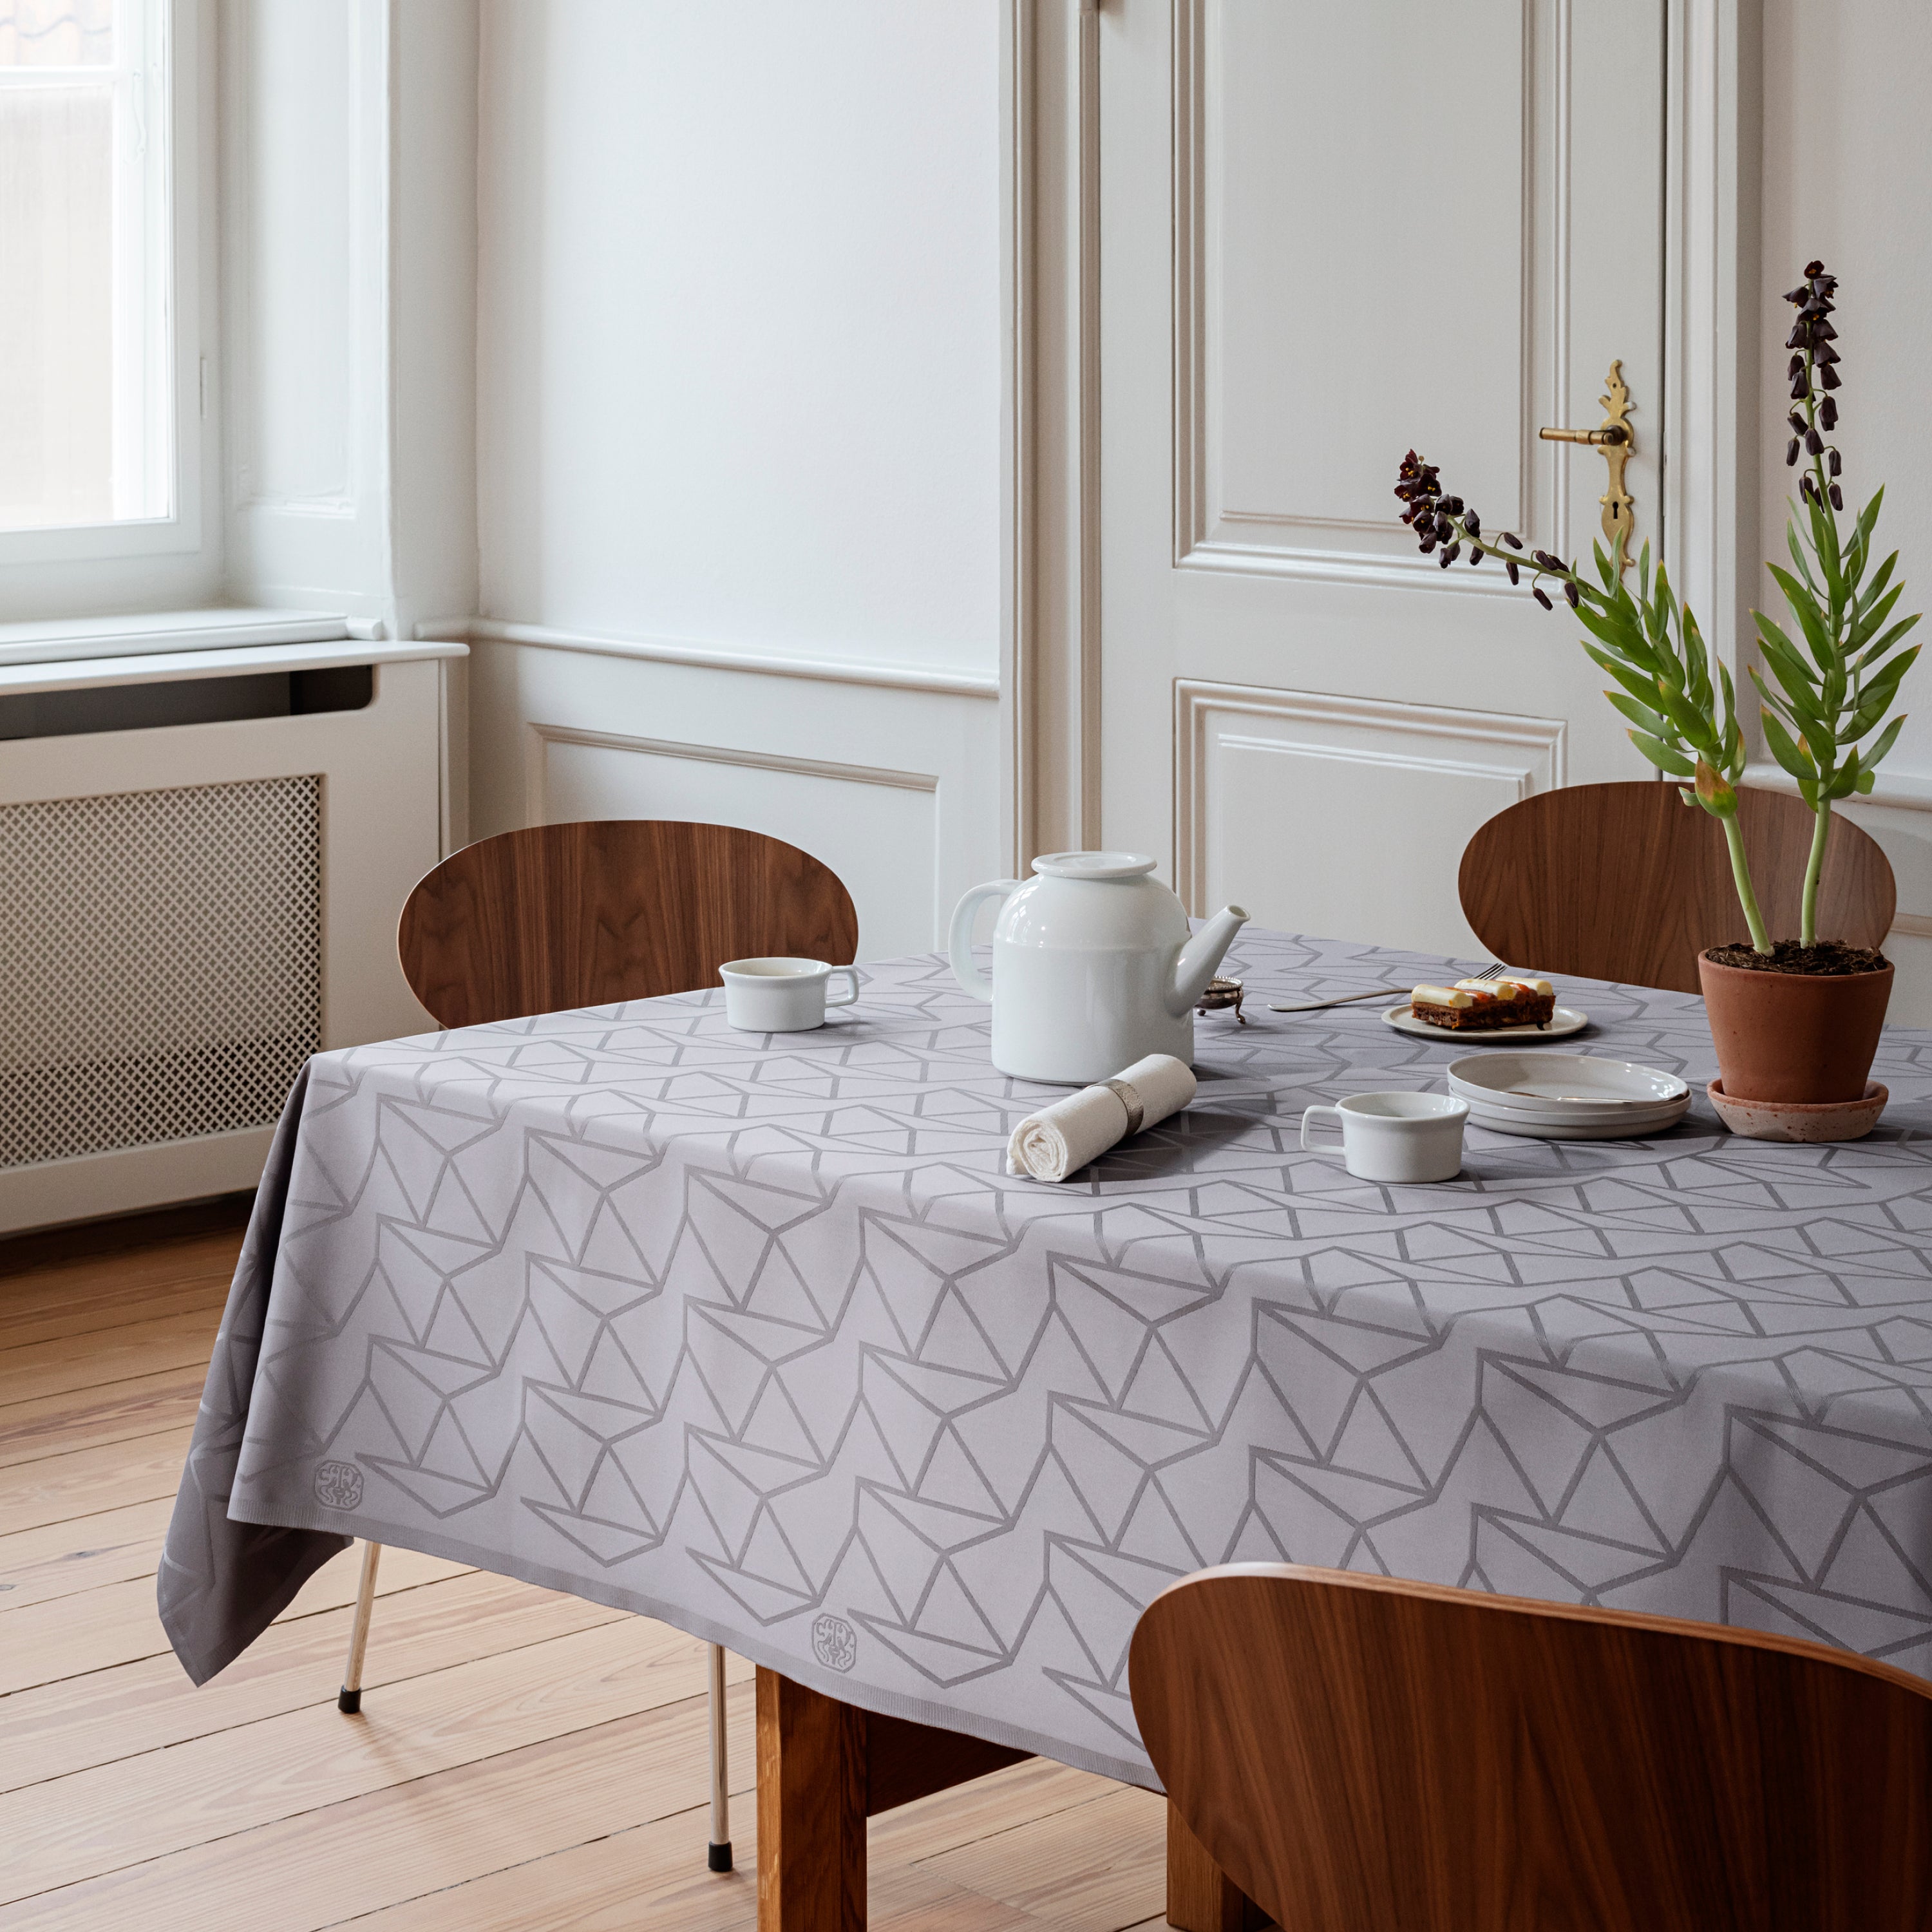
(1500,1006)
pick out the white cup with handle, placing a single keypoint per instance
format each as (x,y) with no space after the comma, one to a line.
(1396,1137)
(781,995)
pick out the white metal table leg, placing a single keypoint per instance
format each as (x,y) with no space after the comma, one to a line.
(351,1697)
(719,1858)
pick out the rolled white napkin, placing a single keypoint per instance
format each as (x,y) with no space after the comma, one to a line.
(1061,1139)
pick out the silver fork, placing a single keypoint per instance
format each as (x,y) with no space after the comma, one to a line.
(1495,970)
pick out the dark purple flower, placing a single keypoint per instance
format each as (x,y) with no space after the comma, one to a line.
(1515,575)
(1828,413)
(1537,592)
(1791,453)
(1570,591)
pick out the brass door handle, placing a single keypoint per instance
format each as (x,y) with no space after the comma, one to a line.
(1618,441)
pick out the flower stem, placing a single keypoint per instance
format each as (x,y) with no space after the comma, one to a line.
(1741,872)
(1807,932)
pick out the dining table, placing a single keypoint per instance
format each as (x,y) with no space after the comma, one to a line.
(755,1332)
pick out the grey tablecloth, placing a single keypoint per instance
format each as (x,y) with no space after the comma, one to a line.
(754,1334)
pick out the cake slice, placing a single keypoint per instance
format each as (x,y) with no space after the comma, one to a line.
(1481,1006)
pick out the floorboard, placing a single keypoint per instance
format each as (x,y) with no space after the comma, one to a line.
(524,1758)
(106,1412)
(57,1487)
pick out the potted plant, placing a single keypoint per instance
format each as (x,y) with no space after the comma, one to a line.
(1795,1020)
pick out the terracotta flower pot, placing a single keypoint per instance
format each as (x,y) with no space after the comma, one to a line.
(1799,1037)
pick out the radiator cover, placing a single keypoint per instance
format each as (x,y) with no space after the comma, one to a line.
(160,964)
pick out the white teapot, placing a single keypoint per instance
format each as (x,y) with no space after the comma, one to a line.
(1093,966)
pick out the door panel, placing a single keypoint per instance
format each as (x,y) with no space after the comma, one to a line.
(1328,233)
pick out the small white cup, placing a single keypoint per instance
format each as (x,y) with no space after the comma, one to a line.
(1398,1137)
(780,995)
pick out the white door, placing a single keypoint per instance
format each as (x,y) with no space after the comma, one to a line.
(1328,232)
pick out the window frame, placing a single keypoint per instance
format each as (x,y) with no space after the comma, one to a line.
(185,221)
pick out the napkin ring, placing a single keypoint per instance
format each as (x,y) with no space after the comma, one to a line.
(1130,1100)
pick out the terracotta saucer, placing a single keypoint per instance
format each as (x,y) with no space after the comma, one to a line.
(1794,1120)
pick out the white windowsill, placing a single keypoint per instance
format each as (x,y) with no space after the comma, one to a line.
(145,633)
(242,661)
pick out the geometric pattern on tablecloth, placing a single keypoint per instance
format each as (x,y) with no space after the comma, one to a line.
(755,1332)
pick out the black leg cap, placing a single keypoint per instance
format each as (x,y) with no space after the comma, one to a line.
(719,1859)
(350,1701)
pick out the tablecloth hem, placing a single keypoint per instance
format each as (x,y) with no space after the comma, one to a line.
(754,1649)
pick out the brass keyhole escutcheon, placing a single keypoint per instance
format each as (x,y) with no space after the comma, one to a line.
(1618,441)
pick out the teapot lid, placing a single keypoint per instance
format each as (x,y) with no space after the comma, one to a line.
(1094,865)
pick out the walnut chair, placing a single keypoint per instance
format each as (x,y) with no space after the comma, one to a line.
(1626,882)
(559,916)
(1360,1754)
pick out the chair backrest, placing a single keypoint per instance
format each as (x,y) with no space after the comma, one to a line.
(1360,1754)
(1627,882)
(558,916)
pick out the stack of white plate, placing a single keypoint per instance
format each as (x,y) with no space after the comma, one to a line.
(1567,1096)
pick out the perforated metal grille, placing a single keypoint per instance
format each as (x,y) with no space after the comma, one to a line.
(160,964)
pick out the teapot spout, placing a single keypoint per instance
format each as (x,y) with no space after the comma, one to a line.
(1200,958)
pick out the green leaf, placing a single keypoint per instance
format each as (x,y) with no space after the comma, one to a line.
(1804,607)
(1798,556)
(1878,693)
(1662,756)
(1880,578)
(1792,755)
(1640,686)
(1619,635)
(1696,727)
(1881,744)
(1866,780)
(1769,633)
(1868,516)
(1641,716)
(1799,693)
(1891,637)
(1872,619)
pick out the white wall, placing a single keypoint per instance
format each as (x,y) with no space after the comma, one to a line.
(738,377)
(1847,177)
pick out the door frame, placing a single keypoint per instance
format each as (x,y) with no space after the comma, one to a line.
(1051,633)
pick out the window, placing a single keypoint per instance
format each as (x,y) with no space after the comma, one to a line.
(87,371)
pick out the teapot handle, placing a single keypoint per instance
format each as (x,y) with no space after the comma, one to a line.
(965,968)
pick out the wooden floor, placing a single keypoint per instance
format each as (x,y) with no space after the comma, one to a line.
(523,1759)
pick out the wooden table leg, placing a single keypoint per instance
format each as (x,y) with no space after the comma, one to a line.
(811,1810)
(1201,1896)
(824,1768)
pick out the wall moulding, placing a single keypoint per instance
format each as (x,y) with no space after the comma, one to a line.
(943,682)
(544,735)
(1507,756)
(1210,533)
